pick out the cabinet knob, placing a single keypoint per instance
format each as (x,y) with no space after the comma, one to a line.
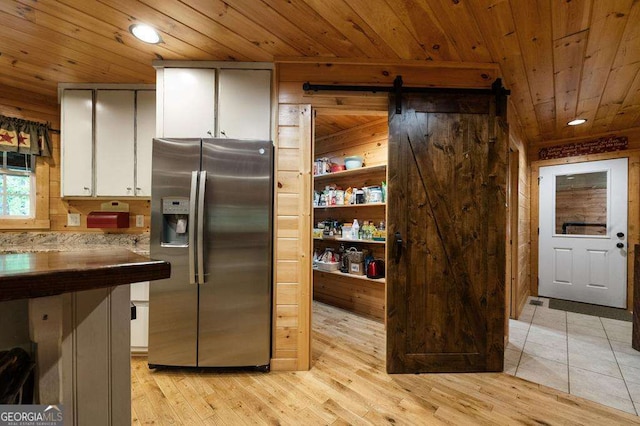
(138,189)
(128,188)
(86,188)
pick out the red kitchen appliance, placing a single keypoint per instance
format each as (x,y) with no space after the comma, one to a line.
(112,214)
(375,269)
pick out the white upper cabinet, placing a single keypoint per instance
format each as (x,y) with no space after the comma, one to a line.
(244,104)
(115,149)
(145,132)
(106,142)
(186,102)
(77,143)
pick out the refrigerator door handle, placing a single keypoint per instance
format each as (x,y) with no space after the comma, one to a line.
(201,196)
(192,220)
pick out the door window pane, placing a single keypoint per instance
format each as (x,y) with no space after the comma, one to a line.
(581,204)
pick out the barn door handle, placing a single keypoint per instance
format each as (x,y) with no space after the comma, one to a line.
(398,238)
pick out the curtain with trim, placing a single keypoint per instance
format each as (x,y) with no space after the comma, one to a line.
(24,136)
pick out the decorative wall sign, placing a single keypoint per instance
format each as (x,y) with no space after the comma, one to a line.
(597,146)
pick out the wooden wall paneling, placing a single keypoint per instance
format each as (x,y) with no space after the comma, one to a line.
(521,288)
(287,30)
(292,277)
(633,224)
(392,29)
(571,17)
(581,205)
(338,102)
(624,69)
(322,30)
(533,21)
(354,28)
(418,73)
(497,26)
(92,29)
(633,230)
(362,134)
(48,31)
(468,38)
(221,13)
(608,22)
(568,53)
(364,297)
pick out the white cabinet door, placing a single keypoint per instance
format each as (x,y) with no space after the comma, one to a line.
(145,132)
(188,102)
(140,291)
(244,104)
(77,142)
(115,161)
(140,328)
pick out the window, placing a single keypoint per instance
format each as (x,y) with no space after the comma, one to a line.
(17,180)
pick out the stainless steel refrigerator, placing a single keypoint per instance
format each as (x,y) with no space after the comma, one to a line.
(211,216)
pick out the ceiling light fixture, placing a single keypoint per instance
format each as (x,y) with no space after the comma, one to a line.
(577,122)
(145,33)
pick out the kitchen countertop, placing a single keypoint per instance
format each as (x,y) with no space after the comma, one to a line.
(48,273)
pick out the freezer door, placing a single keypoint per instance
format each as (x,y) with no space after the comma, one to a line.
(235,298)
(173,302)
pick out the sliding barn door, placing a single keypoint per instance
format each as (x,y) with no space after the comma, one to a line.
(446,234)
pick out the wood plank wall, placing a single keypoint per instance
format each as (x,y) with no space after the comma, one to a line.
(517,141)
(36,107)
(292,245)
(581,205)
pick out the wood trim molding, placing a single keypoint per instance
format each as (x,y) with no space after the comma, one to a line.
(633,215)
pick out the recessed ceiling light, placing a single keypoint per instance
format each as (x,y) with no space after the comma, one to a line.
(577,122)
(145,33)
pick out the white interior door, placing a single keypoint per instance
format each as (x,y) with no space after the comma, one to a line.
(583,232)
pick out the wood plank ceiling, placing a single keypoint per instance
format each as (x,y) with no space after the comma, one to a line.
(561,58)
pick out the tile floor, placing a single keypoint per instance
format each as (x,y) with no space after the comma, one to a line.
(583,355)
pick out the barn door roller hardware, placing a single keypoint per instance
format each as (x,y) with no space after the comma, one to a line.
(496,89)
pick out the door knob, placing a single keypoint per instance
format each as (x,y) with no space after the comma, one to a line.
(620,234)
(620,245)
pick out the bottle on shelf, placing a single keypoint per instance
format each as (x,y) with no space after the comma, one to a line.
(355,229)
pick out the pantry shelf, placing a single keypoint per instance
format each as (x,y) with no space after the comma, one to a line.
(358,277)
(349,173)
(348,240)
(346,206)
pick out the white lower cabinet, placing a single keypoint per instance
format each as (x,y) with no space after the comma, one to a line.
(140,325)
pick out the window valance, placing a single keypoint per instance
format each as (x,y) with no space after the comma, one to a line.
(25,137)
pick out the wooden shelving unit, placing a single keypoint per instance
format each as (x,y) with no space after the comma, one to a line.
(357,277)
(349,240)
(346,206)
(349,174)
(356,293)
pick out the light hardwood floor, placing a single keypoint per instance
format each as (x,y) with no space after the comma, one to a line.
(347,384)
